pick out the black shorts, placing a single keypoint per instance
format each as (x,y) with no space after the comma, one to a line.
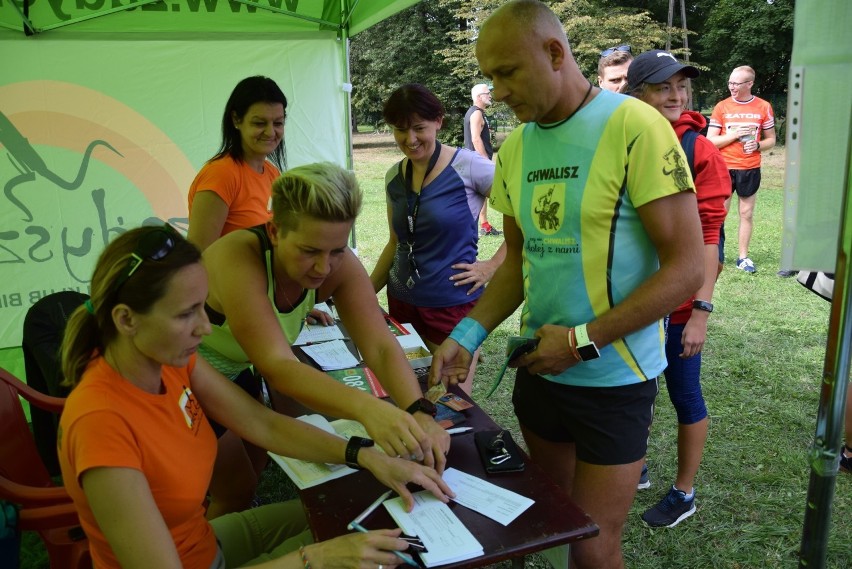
(250,383)
(745,182)
(608,425)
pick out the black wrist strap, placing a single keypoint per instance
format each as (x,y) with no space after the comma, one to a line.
(354,445)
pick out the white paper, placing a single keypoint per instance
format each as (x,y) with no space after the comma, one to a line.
(331,355)
(316,333)
(443,534)
(488,499)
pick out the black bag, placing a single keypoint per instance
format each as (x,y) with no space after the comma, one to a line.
(819,283)
(498,451)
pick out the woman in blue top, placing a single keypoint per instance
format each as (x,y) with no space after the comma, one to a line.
(434,196)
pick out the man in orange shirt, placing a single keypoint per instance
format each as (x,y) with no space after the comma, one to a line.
(742,126)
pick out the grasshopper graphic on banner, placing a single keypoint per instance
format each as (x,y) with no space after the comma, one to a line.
(72,181)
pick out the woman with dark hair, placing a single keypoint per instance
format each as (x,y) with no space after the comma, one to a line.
(135,445)
(434,196)
(264,280)
(232,190)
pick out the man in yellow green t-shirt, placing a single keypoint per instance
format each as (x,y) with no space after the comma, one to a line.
(603,240)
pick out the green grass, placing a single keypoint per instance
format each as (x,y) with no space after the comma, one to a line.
(761,376)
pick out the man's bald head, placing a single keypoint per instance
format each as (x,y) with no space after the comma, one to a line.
(529,17)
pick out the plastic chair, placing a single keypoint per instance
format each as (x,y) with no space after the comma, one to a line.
(45,508)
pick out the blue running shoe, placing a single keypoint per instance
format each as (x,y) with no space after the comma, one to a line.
(671,510)
(746,264)
(644,480)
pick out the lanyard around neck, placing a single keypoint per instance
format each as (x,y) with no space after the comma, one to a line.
(409,189)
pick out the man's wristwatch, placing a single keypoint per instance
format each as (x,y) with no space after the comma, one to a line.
(702,305)
(585,347)
(424,405)
(354,445)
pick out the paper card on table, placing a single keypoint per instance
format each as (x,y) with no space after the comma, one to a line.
(308,474)
(331,355)
(444,535)
(316,333)
(488,499)
(360,377)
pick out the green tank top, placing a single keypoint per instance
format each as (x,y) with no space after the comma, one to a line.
(221,349)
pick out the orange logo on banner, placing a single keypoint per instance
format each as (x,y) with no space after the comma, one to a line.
(64,115)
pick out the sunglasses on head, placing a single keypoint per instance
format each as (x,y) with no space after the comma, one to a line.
(611,50)
(154,245)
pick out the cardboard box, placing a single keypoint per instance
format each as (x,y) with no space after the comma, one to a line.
(415,348)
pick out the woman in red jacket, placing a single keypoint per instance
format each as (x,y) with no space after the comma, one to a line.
(657,78)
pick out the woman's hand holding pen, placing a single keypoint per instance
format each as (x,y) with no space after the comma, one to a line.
(396,473)
(319,317)
(357,551)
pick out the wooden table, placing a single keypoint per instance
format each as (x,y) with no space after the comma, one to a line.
(552,520)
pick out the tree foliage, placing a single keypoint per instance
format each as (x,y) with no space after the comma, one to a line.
(433,43)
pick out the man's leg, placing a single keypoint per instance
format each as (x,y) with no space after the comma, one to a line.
(746,210)
(603,492)
(486,228)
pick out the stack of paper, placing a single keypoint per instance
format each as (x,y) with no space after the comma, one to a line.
(331,355)
(444,535)
(316,333)
(308,474)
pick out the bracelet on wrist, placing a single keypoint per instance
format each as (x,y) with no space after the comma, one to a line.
(469,334)
(572,344)
(305,563)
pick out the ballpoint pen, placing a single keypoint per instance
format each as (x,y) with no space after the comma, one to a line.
(405,557)
(370,509)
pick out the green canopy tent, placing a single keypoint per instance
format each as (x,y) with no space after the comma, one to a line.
(818,228)
(108,108)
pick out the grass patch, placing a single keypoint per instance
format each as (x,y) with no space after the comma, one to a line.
(761,376)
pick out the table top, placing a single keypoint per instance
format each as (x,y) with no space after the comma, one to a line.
(552,520)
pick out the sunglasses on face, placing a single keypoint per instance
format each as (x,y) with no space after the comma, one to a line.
(154,245)
(611,50)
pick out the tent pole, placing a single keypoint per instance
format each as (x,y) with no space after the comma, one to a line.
(347,100)
(826,447)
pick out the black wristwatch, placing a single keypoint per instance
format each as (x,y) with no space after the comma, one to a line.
(354,445)
(424,405)
(702,305)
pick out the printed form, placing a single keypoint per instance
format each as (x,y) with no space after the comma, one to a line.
(488,499)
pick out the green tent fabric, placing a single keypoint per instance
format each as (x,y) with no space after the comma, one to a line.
(109,108)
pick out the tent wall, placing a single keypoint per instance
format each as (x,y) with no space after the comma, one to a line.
(99,134)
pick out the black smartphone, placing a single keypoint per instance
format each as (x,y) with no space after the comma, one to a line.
(519,346)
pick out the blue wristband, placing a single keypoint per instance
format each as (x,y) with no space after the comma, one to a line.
(469,334)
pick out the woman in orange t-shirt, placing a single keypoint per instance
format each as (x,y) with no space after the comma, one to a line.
(135,445)
(233,189)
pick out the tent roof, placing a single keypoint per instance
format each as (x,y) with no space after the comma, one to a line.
(190,16)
